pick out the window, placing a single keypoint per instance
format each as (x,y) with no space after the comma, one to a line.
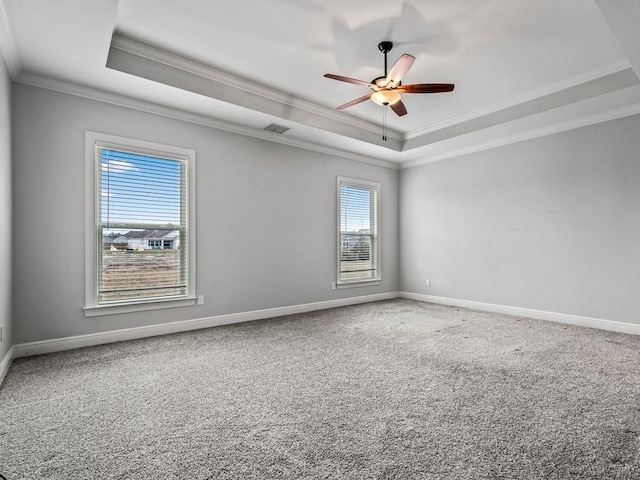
(358,232)
(140,228)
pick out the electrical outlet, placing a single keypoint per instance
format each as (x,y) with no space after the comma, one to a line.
(333,285)
(200,299)
(427,282)
(1,333)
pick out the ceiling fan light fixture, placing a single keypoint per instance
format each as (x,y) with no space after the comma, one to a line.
(386,97)
(388,89)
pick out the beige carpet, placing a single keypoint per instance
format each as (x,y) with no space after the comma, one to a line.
(387,390)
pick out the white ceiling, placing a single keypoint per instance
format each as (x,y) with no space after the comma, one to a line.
(521,67)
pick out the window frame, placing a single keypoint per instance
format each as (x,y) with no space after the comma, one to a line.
(357,183)
(92,224)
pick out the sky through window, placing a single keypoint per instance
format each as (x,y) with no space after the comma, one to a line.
(139,189)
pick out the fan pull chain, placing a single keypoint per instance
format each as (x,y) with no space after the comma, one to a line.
(384,123)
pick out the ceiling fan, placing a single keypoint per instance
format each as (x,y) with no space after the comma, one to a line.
(388,89)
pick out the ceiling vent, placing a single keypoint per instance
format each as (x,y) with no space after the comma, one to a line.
(276,128)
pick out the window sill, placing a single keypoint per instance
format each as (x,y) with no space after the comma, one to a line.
(115,309)
(363,283)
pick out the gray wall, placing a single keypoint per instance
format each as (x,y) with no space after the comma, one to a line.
(5,208)
(550,224)
(266,217)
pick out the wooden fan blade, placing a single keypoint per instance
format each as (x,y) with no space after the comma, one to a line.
(400,69)
(399,108)
(426,88)
(354,102)
(355,81)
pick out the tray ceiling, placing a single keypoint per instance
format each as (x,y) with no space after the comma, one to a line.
(518,66)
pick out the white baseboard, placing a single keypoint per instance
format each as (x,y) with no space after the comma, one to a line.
(598,323)
(69,343)
(6,363)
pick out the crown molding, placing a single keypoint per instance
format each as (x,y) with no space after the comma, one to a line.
(532,133)
(622,17)
(177,114)
(165,57)
(500,136)
(119,100)
(545,91)
(8,49)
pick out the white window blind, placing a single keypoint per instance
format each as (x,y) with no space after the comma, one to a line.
(358,237)
(142,226)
